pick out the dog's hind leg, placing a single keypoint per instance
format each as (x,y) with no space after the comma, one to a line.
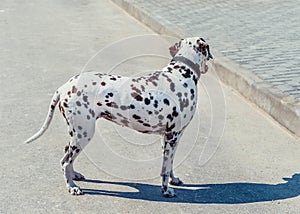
(67,161)
(81,131)
(70,150)
(79,140)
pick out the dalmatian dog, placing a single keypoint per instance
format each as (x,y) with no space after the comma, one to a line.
(161,103)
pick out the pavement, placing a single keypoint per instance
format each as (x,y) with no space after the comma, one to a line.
(256,45)
(233,158)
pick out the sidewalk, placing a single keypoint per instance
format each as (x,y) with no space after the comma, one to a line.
(258,45)
(229,163)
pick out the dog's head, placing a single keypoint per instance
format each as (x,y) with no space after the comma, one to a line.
(195,48)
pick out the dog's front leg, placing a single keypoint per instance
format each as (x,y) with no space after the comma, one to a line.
(174,180)
(170,142)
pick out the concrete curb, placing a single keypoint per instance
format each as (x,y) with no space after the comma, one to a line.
(283,108)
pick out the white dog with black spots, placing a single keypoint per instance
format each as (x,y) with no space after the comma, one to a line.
(161,103)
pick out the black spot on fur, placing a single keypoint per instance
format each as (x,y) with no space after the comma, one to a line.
(123,107)
(107,115)
(84,134)
(169,128)
(166,101)
(136,96)
(136,117)
(193,94)
(155,104)
(85,98)
(187,74)
(184,103)
(169,136)
(125,122)
(147,101)
(161,117)
(112,104)
(136,89)
(172,86)
(74,89)
(174,113)
(66,148)
(170,117)
(92,112)
(195,79)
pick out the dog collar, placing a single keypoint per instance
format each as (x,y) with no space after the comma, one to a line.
(189,63)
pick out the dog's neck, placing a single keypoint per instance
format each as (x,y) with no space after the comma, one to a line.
(189,58)
(195,67)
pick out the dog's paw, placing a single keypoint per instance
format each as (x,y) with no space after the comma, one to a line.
(175,182)
(77,176)
(75,191)
(169,193)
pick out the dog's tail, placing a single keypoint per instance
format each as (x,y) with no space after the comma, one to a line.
(46,124)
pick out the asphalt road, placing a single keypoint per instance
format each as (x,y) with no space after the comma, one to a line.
(233,158)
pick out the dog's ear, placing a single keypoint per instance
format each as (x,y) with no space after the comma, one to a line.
(174,49)
(204,48)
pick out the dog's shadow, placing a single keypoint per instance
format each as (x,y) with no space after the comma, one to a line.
(227,193)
